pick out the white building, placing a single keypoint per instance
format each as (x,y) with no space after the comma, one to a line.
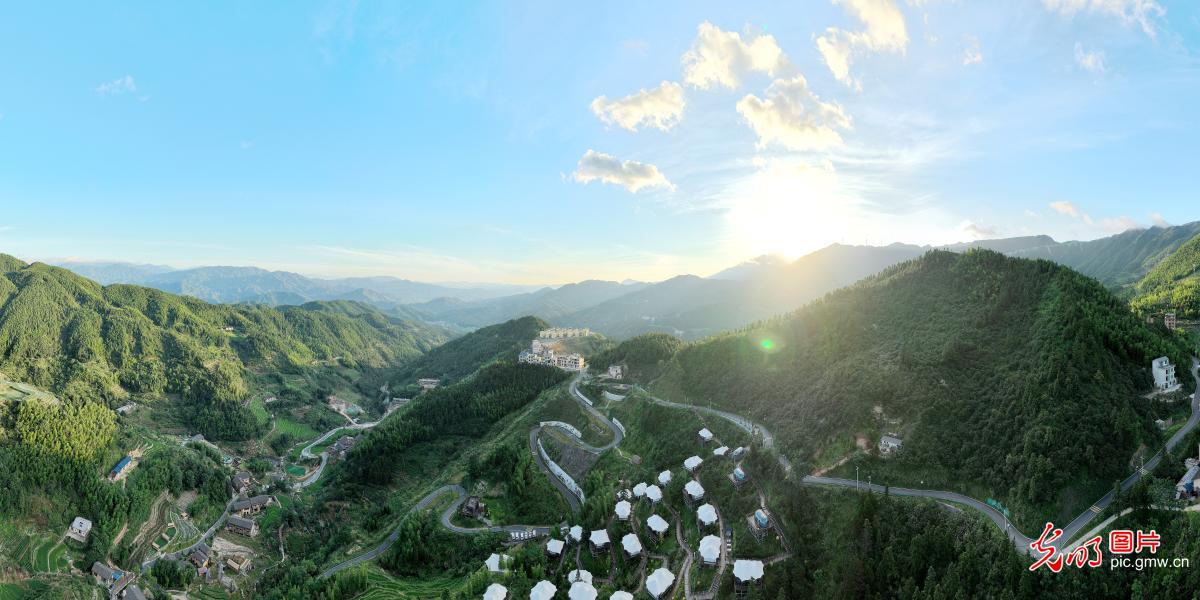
(558,333)
(710,550)
(694,490)
(692,463)
(746,572)
(555,547)
(599,540)
(495,592)
(493,563)
(705,435)
(706,515)
(664,478)
(659,582)
(1164,373)
(570,362)
(615,371)
(631,544)
(639,490)
(577,534)
(889,444)
(721,451)
(544,590)
(80,529)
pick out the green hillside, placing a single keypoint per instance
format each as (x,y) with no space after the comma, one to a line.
(70,335)
(643,356)
(1173,283)
(460,357)
(1017,375)
(1118,260)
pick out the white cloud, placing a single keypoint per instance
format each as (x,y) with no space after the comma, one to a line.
(1069,209)
(660,107)
(978,231)
(1158,220)
(606,168)
(971,54)
(119,85)
(1032,214)
(793,116)
(723,57)
(1143,13)
(1119,224)
(883,31)
(1091,61)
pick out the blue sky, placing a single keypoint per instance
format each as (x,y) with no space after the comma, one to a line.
(544,143)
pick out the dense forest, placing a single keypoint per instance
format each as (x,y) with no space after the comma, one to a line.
(466,409)
(643,356)
(1031,372)
(83,341)
(1173,284)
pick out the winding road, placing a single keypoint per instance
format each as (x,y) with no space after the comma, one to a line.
(1020,541)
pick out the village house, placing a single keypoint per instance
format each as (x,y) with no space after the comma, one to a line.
(80,529)
(120,468)
(473,508)
(200,556)
(1169,320)
(125,409)
(253,505)
(133,592)
(242,482)
(1189,485)
(889,444)
(105,575)
(1164,373)
(428,384)
(239,564)
(564,332)
(343,446)
(615,371)
(243,526)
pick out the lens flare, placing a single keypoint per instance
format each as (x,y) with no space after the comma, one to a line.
(767,344)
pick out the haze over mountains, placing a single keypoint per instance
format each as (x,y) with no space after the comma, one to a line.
(687,306)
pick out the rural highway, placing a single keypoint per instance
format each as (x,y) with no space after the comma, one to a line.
(307,452)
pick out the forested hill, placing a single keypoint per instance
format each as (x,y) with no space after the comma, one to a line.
(460,357)
(1018,374)
(1174,283)
(82,341)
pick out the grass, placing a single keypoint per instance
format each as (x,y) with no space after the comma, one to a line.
(382,586)
(294,470)
(299,430)
(11,591)
(259,410)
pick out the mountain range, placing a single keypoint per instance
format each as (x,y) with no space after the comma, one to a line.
(687,306)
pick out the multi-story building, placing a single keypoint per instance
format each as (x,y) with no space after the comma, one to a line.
(1164,373)
(564,332)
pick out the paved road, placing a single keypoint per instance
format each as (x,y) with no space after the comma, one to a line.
(567,494)
(768,439)
(617,436)
(307,452)
(204,538)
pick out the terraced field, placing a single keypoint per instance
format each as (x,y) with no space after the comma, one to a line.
(381,586)
(36,552)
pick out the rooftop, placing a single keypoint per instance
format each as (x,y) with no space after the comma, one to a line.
(707,514)
(721,451)
(664,478)
(659,582)
(577,533)
(657,523)
(654,493)
(579,575)
(495,592)
(705,434)
(544,590)
(639,490)
(493,563)
(581,590)
(623,509)
(621,596)
(555,546)
(710,548)
(692,462)
(599,537)
(694,489)
(747,570)
(631,543)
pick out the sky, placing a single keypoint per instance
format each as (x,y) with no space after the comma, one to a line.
(536,142)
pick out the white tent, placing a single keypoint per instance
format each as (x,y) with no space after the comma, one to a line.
(623,509)
(621,596)
(664,478)
(721,451)
(705,434)
(639,490)
(599,538)
(555,547)
(694,489)
(653,493)
(577,533)
(495,592)
(493,563)
(707,514)
(692,463)
(747,570)
(632,545)
(544,590)
(657,524)
(710,549)
(659,582)
(581,590)
(579,575)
